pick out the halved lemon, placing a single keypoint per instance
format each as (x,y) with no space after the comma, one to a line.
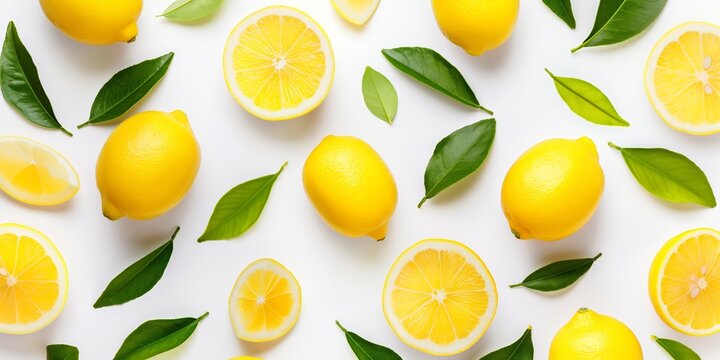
(439,297)
(682,78)
(265,301)
(33,280)
(684,282)
(357,12)
(35,174)
(278,63)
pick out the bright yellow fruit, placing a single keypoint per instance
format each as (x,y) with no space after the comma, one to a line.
(35,174)
(589,335)
(552,190)
(439,297)
(278,63)
(95,22)
(147,165)
(682,78)
(476,25)
(33,280)
(684,282)
(357,12)
(350,186)
(265,302)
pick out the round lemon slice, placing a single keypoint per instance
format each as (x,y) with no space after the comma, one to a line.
(278,63)
(357,12)
(265,301)
(35,174)
(684,282)
(682,78)
(33,280)
(439,297)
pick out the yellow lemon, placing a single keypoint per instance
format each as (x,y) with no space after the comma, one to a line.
(147,165)
(552,189)
(33,280)
(476,25)
(684,282)
(278,63)
(95,22)
(589,335)
(350,186)
(357,12)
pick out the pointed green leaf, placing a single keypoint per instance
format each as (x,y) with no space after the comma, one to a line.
(676,349)
(558,275)
(191,10)
(522,349)
(379,95)
(156,337)
(62,352)
(563,9)
(365,350)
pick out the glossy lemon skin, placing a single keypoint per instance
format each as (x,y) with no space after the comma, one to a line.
(476,25)
(147,165)
(350,186)
(95,22)
(553,189)
(589,335)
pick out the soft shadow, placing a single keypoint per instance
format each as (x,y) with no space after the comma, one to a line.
(90,58)
(66,206)
(290,129)
(147,233)
(258,349)
(497,58)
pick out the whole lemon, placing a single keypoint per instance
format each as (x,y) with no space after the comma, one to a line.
(147,165)
(553,189)
(476,25)
(95,22)
(350,186)
(589,335)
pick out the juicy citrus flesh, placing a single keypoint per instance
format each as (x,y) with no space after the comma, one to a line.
(357,12)
(684,282)
(278,63)
(265,301)
(439,297)
(35,174)
(95,22)
(682,78)
(33,280)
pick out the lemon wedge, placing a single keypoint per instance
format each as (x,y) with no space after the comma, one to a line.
(357,12)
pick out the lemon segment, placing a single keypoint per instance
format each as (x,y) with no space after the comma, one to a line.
(278,63)
(357,12)
(439,297)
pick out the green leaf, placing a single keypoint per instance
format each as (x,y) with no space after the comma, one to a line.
(156,337)
(588,101)
(563,9)
(619,20)
(522,349)
(457,156)
(62,352)
(127,88)
(191,10)
(669,175)
(138,278)
(558,275)
(20,83)
(676,349)
(239,208)
(431,69)
(365,350)
(380,95)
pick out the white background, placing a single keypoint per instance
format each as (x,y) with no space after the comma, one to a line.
(342,278)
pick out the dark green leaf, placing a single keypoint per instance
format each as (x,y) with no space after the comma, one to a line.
(380,95)
(126,88)
(431,69)
(365,350)
(457,156)
(62,352)
(669,175)
(239,208)
(563,9)
(676,349)
(522,349)
(558,275)
(619,20)
(20,83)
(588,101)
(156,337)
(138,278)
(191,10)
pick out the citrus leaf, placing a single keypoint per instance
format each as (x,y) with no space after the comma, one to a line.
(156,337)
(563,9)
(668,175)
(62,352)
(558,275)
(191,10)
(522,349)
(379,95)
(365,350)
(676,349)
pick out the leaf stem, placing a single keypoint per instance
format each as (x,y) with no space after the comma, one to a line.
(597,257)
(65,131)
(83,124)
(574,50)
(612,145)
(203,316)
(282,168)
(516,285)
(424,199)
(485,109)
(172,237)
(340,326)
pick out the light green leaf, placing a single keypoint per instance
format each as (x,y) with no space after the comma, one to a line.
(191,10)
(676,349)
(379,95)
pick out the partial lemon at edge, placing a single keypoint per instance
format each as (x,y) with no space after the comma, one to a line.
(357,12)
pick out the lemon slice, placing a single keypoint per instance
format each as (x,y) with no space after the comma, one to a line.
(357,12)
(684,282)
(682,78)
(278,63)
(439,297)
(33,280)
(265,301)
(34,173)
